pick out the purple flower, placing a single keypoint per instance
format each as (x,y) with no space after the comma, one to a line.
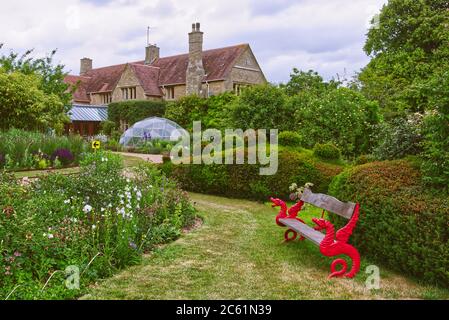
(64,155)
(17,254)
(133,245)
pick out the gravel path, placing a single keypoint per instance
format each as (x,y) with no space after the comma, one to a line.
(147,157)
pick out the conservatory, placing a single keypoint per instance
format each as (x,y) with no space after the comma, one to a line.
(152,129)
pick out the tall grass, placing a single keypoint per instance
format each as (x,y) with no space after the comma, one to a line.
(17,147)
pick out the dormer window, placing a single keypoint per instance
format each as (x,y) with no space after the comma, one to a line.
(129,93)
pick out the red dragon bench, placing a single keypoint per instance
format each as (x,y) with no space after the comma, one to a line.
(331,244)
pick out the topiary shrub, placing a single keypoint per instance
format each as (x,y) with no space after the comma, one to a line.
(402,224)
(289,139)
(327,151)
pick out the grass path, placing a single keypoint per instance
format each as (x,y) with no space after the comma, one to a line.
(238,254)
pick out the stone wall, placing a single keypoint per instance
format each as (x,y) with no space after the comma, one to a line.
(245,71)
(128,79)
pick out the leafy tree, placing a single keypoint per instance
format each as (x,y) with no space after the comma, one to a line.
(306,81)
(51,75)
(436,130)
(408,47)
(341,116)
(213,112)
(24,105)
(262,107)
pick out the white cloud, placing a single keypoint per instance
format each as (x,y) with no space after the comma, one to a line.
(325,35)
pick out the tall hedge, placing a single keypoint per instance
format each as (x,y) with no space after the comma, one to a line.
(133,111)
(402,223)
(244,181)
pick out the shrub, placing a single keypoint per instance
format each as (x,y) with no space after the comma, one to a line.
(244,181)
(398,138)
(64,156)
(289,139)
(402,224)
(327,151)
(98,220)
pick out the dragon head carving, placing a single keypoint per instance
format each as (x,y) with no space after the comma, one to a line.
(277,203)
(321,224)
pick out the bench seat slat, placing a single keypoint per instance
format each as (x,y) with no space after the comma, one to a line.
(331,204)
(308,232)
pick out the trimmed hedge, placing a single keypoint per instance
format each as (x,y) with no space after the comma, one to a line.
(289,139)
(328,151)
(244,181)
(402,224)
(133,111)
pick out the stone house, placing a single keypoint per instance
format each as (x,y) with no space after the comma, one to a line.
(204,73)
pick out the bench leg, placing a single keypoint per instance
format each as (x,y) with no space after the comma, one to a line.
(291,235)
(354,256)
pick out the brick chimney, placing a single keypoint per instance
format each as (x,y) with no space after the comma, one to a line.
(195,70)
(86,66)
(151,53)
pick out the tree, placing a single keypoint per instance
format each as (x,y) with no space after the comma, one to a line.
(262,107)
(24,105)
(408,47)
(436,145)
(51,76)
(306,81)
(342,116)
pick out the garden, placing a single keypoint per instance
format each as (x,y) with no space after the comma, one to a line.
(380,139)
(98,221)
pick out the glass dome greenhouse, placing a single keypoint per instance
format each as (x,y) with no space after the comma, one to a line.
(152,129)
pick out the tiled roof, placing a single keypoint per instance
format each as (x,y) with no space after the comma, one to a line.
(88,113)
(217,63)
(148,77)
(80,95)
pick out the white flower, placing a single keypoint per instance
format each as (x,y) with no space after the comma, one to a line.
(103,209)
(50,236)
(67,201)
(94,227)
(87,208)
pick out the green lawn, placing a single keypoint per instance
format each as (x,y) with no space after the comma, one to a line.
(238,254)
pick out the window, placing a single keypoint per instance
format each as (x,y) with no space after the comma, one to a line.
(106,98)
(129,93)
(239,87)
(170,93)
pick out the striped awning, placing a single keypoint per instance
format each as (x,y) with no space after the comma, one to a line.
(88,113)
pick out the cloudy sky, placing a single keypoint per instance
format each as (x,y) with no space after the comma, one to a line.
(323,35)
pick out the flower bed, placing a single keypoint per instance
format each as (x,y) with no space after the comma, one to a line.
(91,224)
(21,150)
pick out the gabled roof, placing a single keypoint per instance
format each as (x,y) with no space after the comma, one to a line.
(148,77)
(164,71)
